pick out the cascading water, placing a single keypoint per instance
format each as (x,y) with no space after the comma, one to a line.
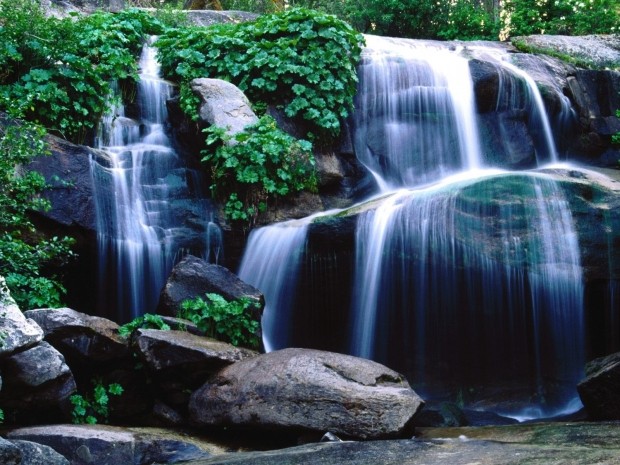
(272,265)
(414,127)
(142,191)
(467,280)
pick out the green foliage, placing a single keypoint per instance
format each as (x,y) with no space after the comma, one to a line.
(300,60)
(148,321)
(466,20)
(92,409)
(57,71)
(256,166)
(1,416)
(23,254)
(227,321)
(569,17)
(427,19)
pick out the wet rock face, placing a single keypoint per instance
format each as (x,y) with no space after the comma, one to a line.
(600,390)
(302,389)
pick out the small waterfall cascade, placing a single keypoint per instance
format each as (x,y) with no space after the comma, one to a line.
(415,119)
(144,190)
(271,264)
(466,279)
(477,292)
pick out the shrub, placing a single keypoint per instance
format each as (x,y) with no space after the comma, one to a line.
(94,409)
(261,164)
(56,72)
(570,17)
(148,320)
(227,321)
(300,60)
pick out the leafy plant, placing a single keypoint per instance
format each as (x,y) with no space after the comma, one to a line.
(148,320)
(1,416)
(256,166)
(57,71)
(94,408)
(300,60)
(228,321)
(24,254)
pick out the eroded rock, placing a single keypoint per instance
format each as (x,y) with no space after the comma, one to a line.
(308,390)
(600,390)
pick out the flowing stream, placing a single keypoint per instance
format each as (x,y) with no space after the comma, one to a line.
(145,195)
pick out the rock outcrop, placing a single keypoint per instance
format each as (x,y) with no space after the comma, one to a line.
(194,277)
(107,445)
(303,389)
(223,105)
(600,390)
(37,383)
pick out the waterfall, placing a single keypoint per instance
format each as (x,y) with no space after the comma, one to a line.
(415,118)
(271,264)
(142,190)
(466,279)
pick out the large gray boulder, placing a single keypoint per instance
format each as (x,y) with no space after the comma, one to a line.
(194,277)
(600,390)
(18,332)
(303,389)
(223,105)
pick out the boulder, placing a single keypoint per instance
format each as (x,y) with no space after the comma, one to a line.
(35,367)
(81,338)
(10,454)
(598,51)
(18,332)
(223,105)
(308,390)
(180,362)
(193,277)
(38,454)
(177,352)
(106,445)
(600,390)
(44,403)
